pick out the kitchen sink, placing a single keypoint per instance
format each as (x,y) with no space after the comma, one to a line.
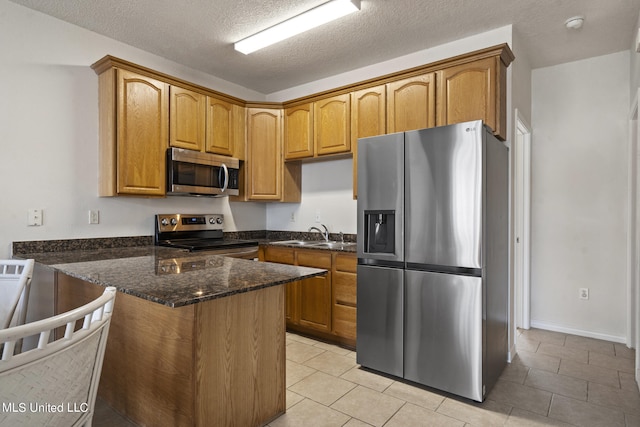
(334,245)
(296,242)
(316,244)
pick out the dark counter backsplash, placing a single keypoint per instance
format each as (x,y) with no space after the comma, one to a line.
(63,245)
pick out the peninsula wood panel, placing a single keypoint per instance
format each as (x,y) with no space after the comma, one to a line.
(220,127)
(298,132)
(411,103)
(368,118)
(331,125)
(186,119)
(241,381)
(218,362)
(141,135)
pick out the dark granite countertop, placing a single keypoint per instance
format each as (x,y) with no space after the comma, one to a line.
(171,277)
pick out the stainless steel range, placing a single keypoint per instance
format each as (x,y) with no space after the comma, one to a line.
(201,232)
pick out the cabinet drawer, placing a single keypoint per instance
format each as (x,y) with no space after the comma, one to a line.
(344,321)
(317,259)
(344,288)
(281,255)
(344,262)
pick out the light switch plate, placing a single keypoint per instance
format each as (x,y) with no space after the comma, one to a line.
(34,217)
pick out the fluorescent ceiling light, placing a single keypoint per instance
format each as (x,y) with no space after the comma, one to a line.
(312,18)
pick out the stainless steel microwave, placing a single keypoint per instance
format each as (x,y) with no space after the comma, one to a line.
(194,173)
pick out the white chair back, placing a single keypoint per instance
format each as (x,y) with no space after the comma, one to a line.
(56,383)
(15,283)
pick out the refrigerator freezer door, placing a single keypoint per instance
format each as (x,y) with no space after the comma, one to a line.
(443,332)
(381,197)
(380,319)
(443,179)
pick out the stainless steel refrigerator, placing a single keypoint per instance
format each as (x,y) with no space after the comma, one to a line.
(433,257)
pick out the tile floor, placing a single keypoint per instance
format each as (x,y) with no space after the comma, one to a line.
(556,379)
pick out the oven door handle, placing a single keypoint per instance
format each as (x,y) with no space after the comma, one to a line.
(226,178)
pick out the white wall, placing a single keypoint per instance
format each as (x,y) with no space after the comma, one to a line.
(579,196)
(49,135)
(321,191)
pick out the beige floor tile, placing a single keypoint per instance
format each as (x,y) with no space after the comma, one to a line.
(333,348)
(300,352)
(413,415)
(300,338)
(292,398)
(526,343)
(584,414)
(555,383)
(632,420)
(308,413)
(577,354)
(521,418)
(356,423)
(537,360)
(322,388)
(612,362)
(368,405)
(416,395)
(296,372)
(515,372)
(623,351)
(615,398)
(331,363)
(591,373)
(628,382)
(487,413)
(591,344)
(521,396)
(368,379)
(551,337)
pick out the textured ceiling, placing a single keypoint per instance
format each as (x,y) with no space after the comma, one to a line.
(200,33)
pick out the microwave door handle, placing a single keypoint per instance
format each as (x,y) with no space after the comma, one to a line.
(226,178)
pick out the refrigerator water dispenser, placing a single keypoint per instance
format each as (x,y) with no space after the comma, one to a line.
(380,231)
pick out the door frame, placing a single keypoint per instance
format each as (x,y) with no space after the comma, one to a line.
(521,239)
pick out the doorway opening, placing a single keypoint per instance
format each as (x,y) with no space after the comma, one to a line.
(522,223)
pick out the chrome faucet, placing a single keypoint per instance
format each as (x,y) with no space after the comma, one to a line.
(324,233)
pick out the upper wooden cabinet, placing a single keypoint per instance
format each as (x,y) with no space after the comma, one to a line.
(298,132)
(472,91)
(331,125)
(220,125)
(133,134)
(187,119)
(368,118)
(411,103)
(268,177)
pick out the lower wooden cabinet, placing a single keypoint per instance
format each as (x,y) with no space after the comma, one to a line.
(324,306)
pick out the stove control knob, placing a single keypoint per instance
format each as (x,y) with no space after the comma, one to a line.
(219,220)
(164,222)
(174,221)
(212,220)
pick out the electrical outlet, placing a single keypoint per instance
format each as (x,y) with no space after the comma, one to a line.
(318,216)
(34,217)
(292,217)
(584,293)
(94,217)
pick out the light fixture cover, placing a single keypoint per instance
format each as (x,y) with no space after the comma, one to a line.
(574,22)
(312,18)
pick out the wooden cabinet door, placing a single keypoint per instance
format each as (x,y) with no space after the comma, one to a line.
(264,144)
(220,127)
(368,118)
(411,103)
(468,92)
(142,114)
(298,132)
(187,119)
(315,293)
(292,291)
(331,125)
(343,311)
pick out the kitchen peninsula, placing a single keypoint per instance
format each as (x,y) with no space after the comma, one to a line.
(195,339)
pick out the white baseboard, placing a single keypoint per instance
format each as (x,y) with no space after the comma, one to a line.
(511,354)
(559,328)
